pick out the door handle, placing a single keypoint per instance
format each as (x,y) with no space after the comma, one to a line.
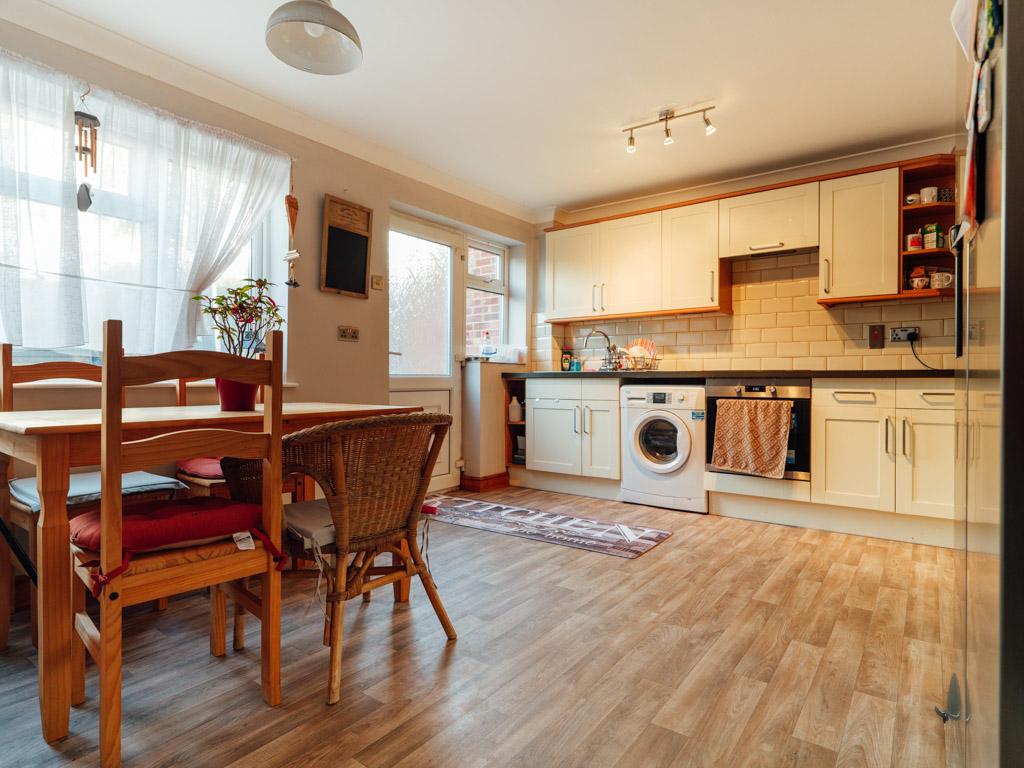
(711,289)
(576,419)
(602,297)
(886,435)
(586,413)
(903,435)
(593,297)
(766,246)
(828,276)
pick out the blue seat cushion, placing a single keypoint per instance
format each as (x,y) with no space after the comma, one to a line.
(85,487)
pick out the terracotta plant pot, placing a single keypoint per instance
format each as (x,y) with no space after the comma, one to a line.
(236,395)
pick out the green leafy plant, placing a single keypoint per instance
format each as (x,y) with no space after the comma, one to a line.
(243,316)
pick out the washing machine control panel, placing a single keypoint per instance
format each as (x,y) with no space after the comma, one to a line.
(666,398)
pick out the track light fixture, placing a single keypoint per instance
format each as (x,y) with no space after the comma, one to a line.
(708,127)
(664,117)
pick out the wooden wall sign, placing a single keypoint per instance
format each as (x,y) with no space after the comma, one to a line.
(345,248)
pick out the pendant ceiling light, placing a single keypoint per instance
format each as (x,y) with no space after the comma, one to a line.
(312,36)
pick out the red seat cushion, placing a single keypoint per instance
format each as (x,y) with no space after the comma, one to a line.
(162,524)
(428,509)
(207,467)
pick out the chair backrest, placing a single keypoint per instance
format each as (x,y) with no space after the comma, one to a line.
(118,456)
(11,374)
(374,472)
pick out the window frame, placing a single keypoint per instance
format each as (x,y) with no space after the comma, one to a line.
(497,286)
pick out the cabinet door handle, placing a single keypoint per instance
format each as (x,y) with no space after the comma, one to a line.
(711,289)
(576,419)
(586,413)
(828,276)
(886,435)
(593,297)
(766,246)
(903,429)
(602,297)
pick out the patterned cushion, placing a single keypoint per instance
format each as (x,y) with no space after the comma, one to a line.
(206,467)
(154,525)
(85,487)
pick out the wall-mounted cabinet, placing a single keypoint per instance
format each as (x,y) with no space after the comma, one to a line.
(653,263)
(767,222)
(859,254)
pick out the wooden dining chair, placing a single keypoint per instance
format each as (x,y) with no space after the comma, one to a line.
(171,547)
(84,489)
(374,474)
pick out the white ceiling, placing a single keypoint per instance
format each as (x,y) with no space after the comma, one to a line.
(524,99)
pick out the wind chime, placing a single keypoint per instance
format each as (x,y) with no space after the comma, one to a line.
(86,125)
(291,205)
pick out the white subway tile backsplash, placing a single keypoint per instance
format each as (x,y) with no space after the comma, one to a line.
(777,324)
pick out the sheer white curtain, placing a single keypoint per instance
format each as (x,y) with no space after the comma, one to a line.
(173,203)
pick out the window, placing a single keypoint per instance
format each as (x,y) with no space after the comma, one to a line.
(172,209)
(486,294)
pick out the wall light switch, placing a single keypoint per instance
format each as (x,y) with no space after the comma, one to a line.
(348,333)
(377,282)
(876,336)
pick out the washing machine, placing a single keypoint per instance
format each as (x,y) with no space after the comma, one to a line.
(663,441)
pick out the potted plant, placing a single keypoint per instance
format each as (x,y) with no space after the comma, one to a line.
(242,316)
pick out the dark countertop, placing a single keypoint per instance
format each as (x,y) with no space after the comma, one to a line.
(698,377)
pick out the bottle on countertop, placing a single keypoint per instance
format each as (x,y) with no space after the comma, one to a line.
(487,348)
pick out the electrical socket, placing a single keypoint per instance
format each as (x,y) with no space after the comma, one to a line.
(903,334)
(348,333)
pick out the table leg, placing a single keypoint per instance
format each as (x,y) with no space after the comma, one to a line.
(54,588)
(6,574)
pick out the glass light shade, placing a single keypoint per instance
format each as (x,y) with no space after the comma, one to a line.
(312,36)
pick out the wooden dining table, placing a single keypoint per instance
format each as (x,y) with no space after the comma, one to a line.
(56,442)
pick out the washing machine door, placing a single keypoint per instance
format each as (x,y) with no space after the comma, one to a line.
(661,442)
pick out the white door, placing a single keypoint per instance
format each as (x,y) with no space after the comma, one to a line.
(853,457)
(553,430)
(689,256)
(764,222)
(924,466)
(573,272)
(630,252)
(600,425)
(859,253)
(425,295)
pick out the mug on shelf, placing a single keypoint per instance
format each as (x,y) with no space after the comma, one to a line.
(912,199)
(914,241)
(942,280)
(917,283)
(929,194)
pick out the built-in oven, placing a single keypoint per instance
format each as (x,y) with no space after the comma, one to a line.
(798,452)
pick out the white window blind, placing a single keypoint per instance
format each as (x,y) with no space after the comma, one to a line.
(174,203)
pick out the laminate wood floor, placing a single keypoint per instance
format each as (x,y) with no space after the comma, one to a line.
(733,643)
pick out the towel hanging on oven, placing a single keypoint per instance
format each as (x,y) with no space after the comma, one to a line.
(752,436)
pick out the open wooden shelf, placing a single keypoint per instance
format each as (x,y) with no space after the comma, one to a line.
(924,293)
(928,252)
(926,207)
(516,423)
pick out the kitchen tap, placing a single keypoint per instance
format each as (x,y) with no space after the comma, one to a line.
(610,358)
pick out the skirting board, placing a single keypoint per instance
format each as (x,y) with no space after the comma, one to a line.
(484,484)
(860,522)
(594,487)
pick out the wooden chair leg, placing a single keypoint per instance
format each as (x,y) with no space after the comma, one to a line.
(33,595)
(337,600)
(160,604)
(238,633)
(431,589)
(77,646)
(403,586)
(218,621)
(270,633)
(110,678)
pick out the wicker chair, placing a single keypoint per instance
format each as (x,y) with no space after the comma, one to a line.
(374,473)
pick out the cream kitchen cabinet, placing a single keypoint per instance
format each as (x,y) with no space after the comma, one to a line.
(884,444)
(572,427)
(859,252)
(689,256)
(770,221)
(630,264)
(573,271)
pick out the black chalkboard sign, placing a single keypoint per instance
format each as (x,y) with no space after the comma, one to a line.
(345,250)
